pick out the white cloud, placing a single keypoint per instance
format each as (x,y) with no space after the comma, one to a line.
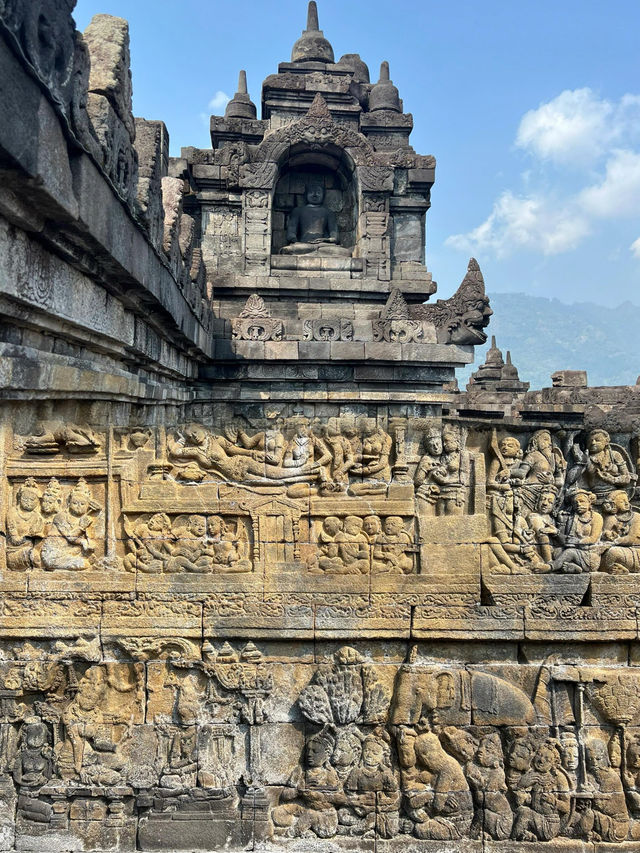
(596,136)
(617,195)
(573,125)
(219,101)
(577,127)
(635,247)
(525,222)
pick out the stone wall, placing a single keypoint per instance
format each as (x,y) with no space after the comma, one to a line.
(269,580)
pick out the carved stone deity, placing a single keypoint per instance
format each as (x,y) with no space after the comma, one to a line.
(392,549)
(312,227)
(373,461)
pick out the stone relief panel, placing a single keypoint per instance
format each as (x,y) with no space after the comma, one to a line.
(368,745)
(343,494)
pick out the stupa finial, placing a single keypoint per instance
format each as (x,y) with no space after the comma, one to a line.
(312,17)
(312,46)
(384,95)
(241,105)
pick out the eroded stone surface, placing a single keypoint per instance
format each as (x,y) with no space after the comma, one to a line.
(269,581)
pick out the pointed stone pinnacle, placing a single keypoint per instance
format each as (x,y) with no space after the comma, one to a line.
(242,83)
(384,71)
(312,17)
(319,108)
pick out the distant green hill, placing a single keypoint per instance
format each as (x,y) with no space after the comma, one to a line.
(545,335)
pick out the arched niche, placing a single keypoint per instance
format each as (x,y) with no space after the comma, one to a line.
(335,171)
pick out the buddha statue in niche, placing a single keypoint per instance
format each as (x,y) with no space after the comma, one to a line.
(312,228)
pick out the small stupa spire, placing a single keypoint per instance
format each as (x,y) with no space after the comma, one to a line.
(241,105)
(312,46)
(384,95)
(312,17)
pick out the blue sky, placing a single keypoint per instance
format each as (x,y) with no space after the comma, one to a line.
(531,107)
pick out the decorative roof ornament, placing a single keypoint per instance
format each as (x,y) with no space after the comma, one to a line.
(396,307)
(255,306)
(241,105)
(312,46)
(463,317)
(384,95)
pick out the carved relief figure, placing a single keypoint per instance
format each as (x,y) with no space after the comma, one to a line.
(543,466)
(513,544)
(308,800)
(373,461)
(69,544)
(392,549)
(442,475)
(578,536)
(436,795)
(602,468)
(621,532)
(342,455)
(372,789)
(312,227)
(504,468)
(25,528)
(543,524)
(353,546)
(611,819)
(543,797)
(151,544)
(485,775)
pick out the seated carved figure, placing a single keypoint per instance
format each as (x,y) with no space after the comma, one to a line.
(391,552)
(543,794)
(69,545)
(512,545)
(372,790)
(485,774)
(542,523)
(372,462)
(193,552)
(543,466)
(601,469)
(436,794)
(312,227)
(151,545)
(621,532)
(610,815)
(89,751)
(25,528)
(230,548)
(578,537)
(308,801)
(327,558)
(353,547)
(33,767)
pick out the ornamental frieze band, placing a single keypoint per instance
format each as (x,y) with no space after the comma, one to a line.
(269,579)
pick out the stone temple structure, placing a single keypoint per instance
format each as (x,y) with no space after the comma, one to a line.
(268,579)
